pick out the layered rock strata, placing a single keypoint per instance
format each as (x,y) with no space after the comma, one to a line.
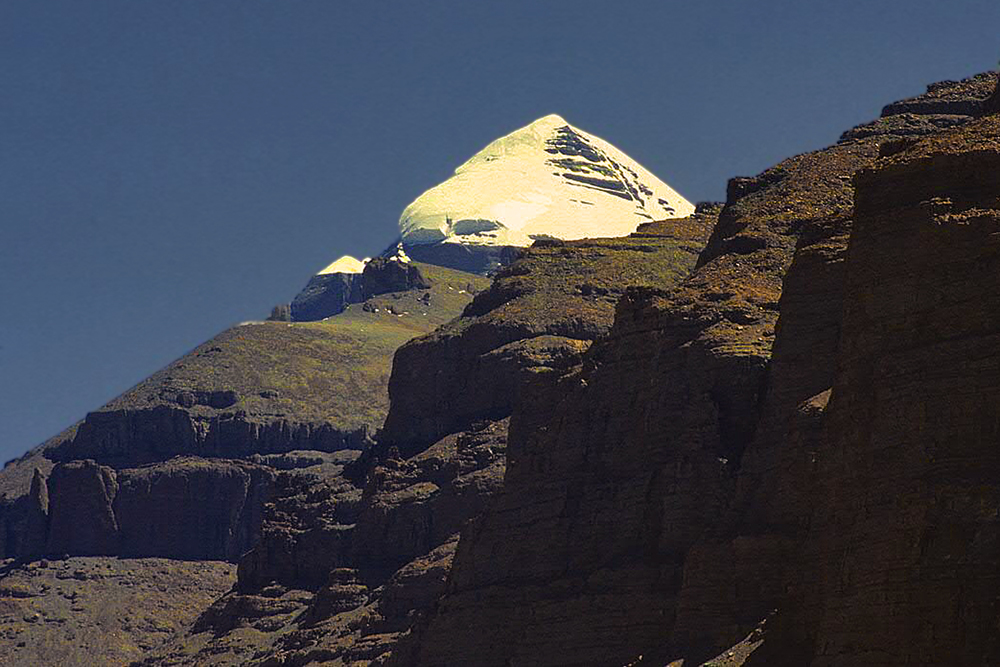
(541,311)
(341,572)
(190,508)
(610,538)
(262,390)
(897,567)
(676,465)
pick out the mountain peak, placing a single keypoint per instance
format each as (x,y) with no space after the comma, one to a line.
(546,179)
(549,121)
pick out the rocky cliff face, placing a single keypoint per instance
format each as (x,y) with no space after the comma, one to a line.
(393,533)
(326,295)
(192,508)
(626,451)
(900,529)
(616,471)
(543,311)
(260,390)
(654,510)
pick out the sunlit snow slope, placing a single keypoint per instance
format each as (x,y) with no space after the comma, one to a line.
(548,179)
(345,264)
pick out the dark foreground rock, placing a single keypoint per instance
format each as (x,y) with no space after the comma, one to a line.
(655,500)
(188,508)
(897,567)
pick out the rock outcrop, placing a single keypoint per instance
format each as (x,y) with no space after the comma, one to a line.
(82,520)
(329,294)
(325,295)
(186,508)
(24,519)
(383,275)
(945,105)
(992,104)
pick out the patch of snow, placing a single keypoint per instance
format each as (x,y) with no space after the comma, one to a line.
(345,264)
(527,184)
(400,255)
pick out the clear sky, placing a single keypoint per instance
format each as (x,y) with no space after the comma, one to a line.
(168,169)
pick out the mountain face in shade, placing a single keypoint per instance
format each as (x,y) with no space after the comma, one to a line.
(761,435)
(548,179)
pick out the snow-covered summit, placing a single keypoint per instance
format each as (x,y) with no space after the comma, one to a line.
(345,264)
(548,179)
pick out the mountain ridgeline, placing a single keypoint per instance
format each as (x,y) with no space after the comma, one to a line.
(570,420)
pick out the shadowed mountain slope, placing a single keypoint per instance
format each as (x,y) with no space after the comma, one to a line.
(258,389)
(625,451)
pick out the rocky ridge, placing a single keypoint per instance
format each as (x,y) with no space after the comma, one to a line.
(233,407)
(898,530)
(642,471)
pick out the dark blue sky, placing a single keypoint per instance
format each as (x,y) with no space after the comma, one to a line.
(168,169)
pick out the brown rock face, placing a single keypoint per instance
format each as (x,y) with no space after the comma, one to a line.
(383,275)
(614,473)
(366,563)
(184,508)
(406,508)
(654,500)
(306,531)
(992,105)
(900,564)
(562,293)
(82,521)
(948,97)
(782,483)
(412,506)
(191,509)
(945,105)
